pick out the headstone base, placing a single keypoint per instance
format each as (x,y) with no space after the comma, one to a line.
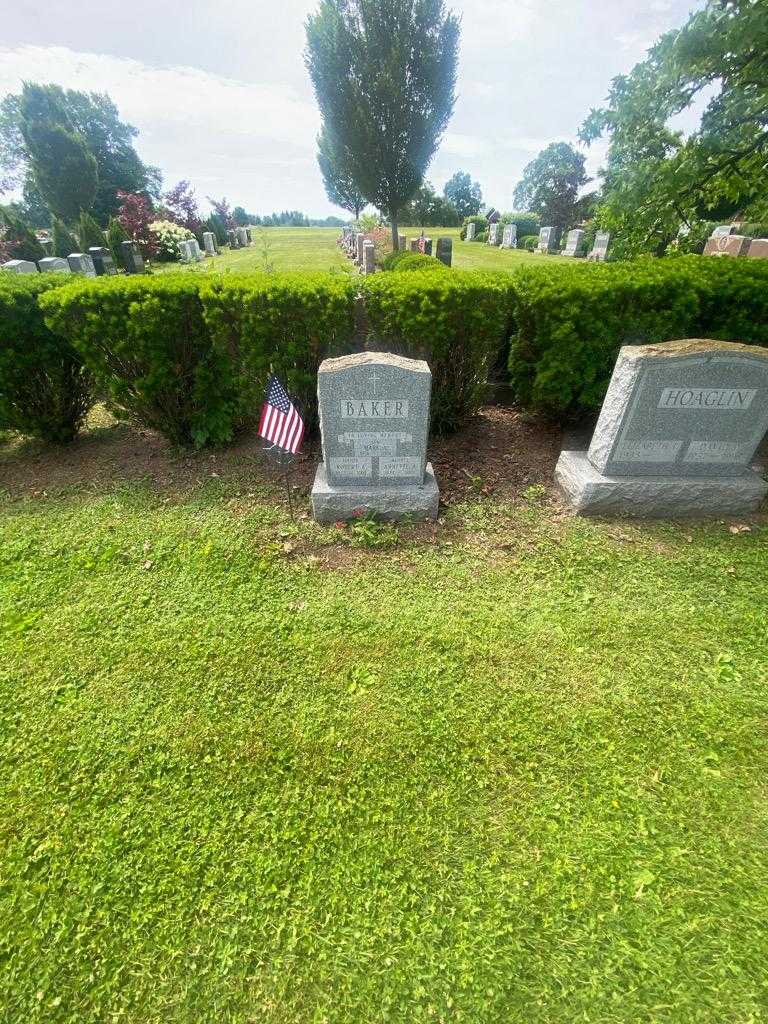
(338,504)
(653,497)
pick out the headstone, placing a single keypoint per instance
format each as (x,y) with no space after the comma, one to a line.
(209,241)
(360,254)
(509,237)
(427,246)
(234,242)
(444,251)
(677,432)
(102,261)
(471,229)
(723,230)
(758,249)
(727,245)
(493,234)
(369,257)
(242,237)
(133,261)
(81,263)
(20,267)
(374,422)
(401,240)
(600,247)
(573,243)
(54,265)
(548,238)
(416,245)
(249,236)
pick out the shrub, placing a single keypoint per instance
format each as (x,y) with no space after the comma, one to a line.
(480,222)
(281,323)
(147,344)
(19,241)
(528,242)
(571,321)
(457,321)
(89,233)
(481,236)
(168,237)
(64,242)
(404,262)
(116,235)
(45,391)
(527,223)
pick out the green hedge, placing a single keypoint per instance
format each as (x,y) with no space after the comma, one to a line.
(404,262)
(147,343)
(456,321)
(45,391)
(571,321)
(282,323)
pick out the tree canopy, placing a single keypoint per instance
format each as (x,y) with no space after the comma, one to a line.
(551,184)
(657,178)
(335,167)
(384,75)
(464,194)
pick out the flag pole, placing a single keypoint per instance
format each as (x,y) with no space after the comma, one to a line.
(288,487)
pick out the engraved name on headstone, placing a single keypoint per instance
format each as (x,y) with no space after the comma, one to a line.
(133,261)
(573,243)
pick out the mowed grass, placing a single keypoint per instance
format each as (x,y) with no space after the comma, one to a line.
(316,249)
(516,774)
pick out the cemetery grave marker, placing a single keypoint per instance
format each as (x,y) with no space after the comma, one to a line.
(374,422)
(493,234)
(81,263)
(444,251)
(758,249)
(54,265)
(102,261)
(677,432)
(133,261)
(242,237)
(471,227)
(727,245)
(509,237)
(723,230)
(600,247)
(20,267)
(209,241)
(369,257)
(547,240)
(573,243)
(416,245)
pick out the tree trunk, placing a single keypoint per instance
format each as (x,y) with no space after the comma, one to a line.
(395,231)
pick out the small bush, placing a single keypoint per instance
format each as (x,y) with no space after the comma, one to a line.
(45,392)
(481,236)
(406,262)
(64,242)
(480,222)
(89,233)
(526,223)
(147,344)
(456,321)
(528,242)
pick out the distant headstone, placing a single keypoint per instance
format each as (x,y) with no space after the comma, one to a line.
(427,247)
(360,249)
(81,263)
(573,243)
(133,261)
(509,237)
(677,432)
(242,237)
(600,248)
(723,230)
(727,245)
(401,240)
(374,422)
(249,236)
(758,249)
(369,257)
(493,233)
(471,228)
(416,245)
(20,267)
(102,261)
(234,241)
(548,238)
(444,251)
(209,241)
(54,265)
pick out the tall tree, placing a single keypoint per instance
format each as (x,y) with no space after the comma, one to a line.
(63,166)
(464,193)
(181,207)
(656,178)
(551,183)
(339,183)
(384,75)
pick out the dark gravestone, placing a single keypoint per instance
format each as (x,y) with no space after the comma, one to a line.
(445,251)
(102,261)
(133,261)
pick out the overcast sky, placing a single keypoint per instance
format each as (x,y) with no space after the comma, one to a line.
(220,94)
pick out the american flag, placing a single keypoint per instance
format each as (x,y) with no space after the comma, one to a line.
(280,420)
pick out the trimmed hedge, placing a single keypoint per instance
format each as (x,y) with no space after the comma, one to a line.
(147,343)
(45,391)
(456,321)
(405,262)
(281,323)
(571,321)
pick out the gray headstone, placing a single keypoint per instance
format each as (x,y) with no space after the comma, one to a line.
(234,241)
(102,261)
(444,251)
(360,251)
(374,422)
(600,248)
(54,265)
(20,267)
(209,241)
(676,414)
(509,237)
(493,234)
(369,257)
(133,261)
(548,238)
(573,243)
(249,236)
(242,237)
(401,240)
(758,249)
(471,229)
(723,229)
(81,263)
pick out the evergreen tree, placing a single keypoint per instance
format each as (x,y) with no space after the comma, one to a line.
(18,239)
(116,235)
(64,242)
(339,184)
(384,75)
(89,233)
(64,169)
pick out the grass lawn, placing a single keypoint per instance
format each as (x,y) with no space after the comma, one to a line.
(316,249)
(510,768)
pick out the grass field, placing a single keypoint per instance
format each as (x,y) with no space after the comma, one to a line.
(254,770)
(316,249)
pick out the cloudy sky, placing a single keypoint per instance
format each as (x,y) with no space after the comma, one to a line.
(220,94)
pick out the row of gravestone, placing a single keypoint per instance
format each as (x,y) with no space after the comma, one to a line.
(361,248)
(678,431)
(238,238)
(97,262)
(725,242)
(505,237)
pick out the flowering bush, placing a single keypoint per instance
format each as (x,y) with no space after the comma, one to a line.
(168,237)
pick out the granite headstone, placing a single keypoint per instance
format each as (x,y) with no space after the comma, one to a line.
(677,432)
(369,257)
(600,248)
(509,237)
(20,267)
(758,249)
(81,263)
(548,238)
(471,229)
(133,261)
(493,234)
(727,245)
(209,241)
(54,265)
(444,250)
(573,243)
(374,422)
(102,260)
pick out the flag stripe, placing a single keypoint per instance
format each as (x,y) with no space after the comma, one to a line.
(281,422)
